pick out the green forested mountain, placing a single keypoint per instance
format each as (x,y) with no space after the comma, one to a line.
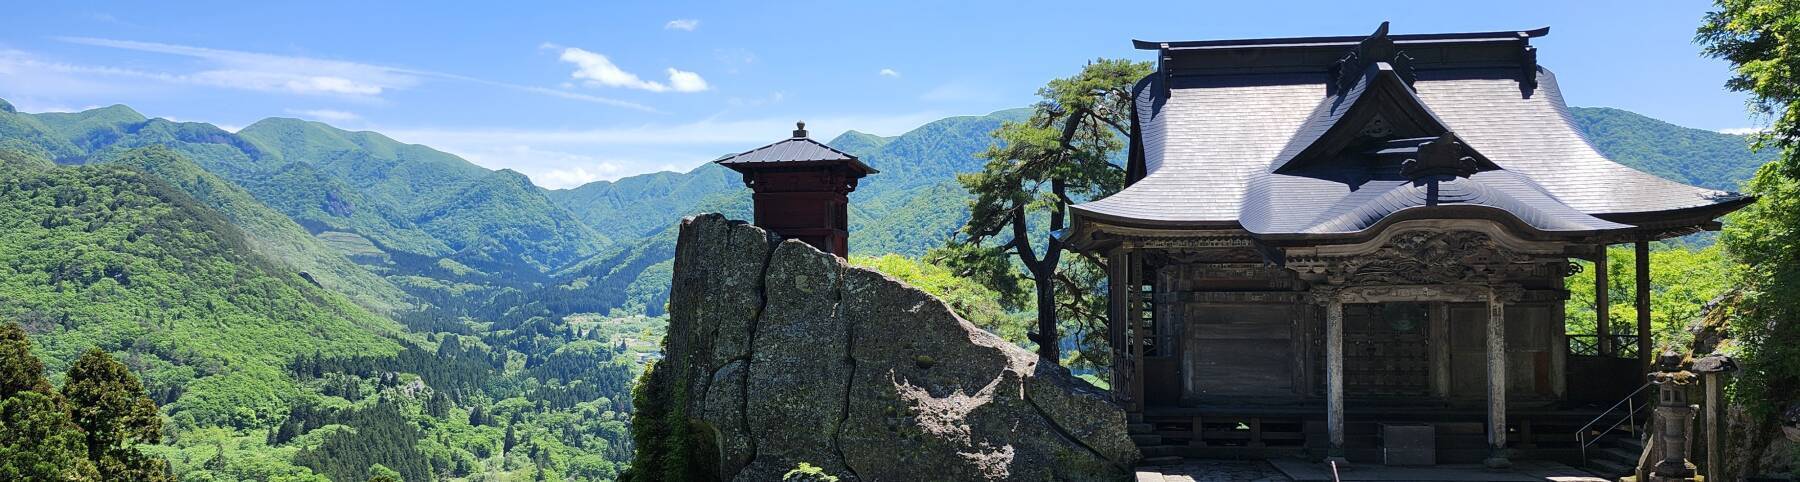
(111,257)
(1693,156)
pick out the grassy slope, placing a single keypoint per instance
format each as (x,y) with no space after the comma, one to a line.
(269,232)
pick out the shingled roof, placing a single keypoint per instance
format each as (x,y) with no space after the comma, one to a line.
(1304,139)
(796,150)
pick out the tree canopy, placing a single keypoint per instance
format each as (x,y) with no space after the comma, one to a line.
(1761,39)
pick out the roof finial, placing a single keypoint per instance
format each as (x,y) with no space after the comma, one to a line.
(800,129)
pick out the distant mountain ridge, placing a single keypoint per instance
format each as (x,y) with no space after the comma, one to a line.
(425,220)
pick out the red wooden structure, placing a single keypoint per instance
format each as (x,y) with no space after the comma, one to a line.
(802,189)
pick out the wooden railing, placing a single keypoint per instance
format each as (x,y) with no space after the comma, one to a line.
(1624,346)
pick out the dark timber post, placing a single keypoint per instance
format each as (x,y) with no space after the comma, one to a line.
(1603,340)
(802,189)
(1643,303)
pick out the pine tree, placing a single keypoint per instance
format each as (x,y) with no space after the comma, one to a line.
(109,403)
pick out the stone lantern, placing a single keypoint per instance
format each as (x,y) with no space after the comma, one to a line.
(802,189)
(1673,414)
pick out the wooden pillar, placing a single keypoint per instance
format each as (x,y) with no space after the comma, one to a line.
(1440,349)
(1334,379)
(1643,304)
(1603,341)
(1117,321)
(1139,333)
(1496,382)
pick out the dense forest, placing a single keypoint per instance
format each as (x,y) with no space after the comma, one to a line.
(306,303)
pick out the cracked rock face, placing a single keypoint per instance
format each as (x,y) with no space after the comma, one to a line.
(793,356)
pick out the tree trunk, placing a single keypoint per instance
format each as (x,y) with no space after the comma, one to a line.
(1049,339)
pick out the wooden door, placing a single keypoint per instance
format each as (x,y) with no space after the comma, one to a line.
(1386,350)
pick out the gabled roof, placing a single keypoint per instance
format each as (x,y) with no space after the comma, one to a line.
(1268,136)
(797,150)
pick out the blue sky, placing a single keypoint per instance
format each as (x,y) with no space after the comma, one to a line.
(575,92)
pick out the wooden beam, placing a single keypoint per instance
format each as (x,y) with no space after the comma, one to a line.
(1603,341)
(1496,382)
(1643,304)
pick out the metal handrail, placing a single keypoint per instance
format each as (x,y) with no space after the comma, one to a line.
(1630,401)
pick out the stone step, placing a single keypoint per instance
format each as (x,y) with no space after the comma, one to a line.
(1610,468)
(1616,454)
(1160,461)
(1163,451)
(1140,428)
(1629,442)
(1145,439)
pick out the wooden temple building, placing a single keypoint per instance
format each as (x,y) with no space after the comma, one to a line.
(1322,236)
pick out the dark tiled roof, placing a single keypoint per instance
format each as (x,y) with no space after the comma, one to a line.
(1211,141)
(793,150)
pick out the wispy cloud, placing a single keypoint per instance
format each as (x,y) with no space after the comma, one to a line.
(1743,131)
(686,24)
(267,72)
(594,69)
(889,73)
(278,73)
(326,114)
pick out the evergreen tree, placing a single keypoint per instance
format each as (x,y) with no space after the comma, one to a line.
(109,403)
(19,369)
(37,439)
(1036,169)
(478,416)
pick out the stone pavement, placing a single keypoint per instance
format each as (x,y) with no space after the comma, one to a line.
(1193,470)
(1284,470)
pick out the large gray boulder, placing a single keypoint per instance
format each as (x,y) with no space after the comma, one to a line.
(789,355)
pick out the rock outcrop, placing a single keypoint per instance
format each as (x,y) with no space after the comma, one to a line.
(784,354)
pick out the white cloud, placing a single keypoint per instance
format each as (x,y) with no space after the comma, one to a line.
(684,81)
(889,73)
(327,115)
(687,24)
(254,71)
(1742,131)
(595,69)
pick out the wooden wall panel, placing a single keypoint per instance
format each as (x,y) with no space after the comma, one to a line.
(1240,349)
